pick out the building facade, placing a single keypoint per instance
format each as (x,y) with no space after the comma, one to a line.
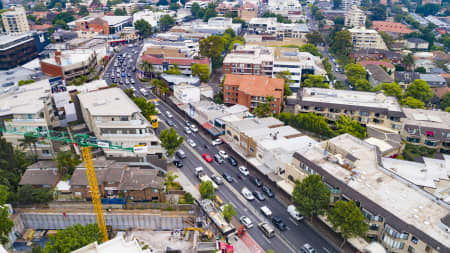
(363,38)
(70,64)
(18,49)
(15,20)
(355,17)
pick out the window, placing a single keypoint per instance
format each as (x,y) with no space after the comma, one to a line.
(252,150)
(414,239)
(291,178)
(411,249)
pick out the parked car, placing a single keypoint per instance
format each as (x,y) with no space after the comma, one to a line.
(217,179)
(268,191)
(178,163)
(218,159)
(169,114)
(232,161)
(292,211)
(247,194)
(192,143)
(278,222)
(308,249)
(267,229)
(266,211)
(217,142)
(194,128)
(246,222)
(180,154)
(223,154)
(188,124)
(244,171)
(255,181)
(207,158)
(259,196)
(170,123)
(227,177)
(187,130)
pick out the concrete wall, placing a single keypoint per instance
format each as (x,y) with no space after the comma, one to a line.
(117,221)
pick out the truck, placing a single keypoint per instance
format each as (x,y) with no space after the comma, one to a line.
(203,177)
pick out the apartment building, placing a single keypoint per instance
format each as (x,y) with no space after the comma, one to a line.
(92,26)
(250,90)
(400,215)
(249,10)
(70,64)
(189,48)
(113,117)
(270,26)
(262,25)
(128,8)
(347,4)
(291,9)
(427,128)
(368,108)
(363,38)
(152,17)
(161,64)
(25,109)
(355,17)
(15,20)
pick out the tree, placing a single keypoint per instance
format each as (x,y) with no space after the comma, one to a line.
(363,85)
(170,179)
(206,189)
(29,195)
(445,101)
(314,38)
(144,28)
(83,11)
(209,13)
(129,92)
(263,108)
(170,141)
(310,48)
(378,12)
(174,70)
(67,161)
(287,77)
(341,43)
(421,70)
(165,22)
(229,212)
(428,9)
(188,199)
(213,47)
(113,85)
(408,61)
(13,163)
(391,89)
(419,89)
(6,224)
(346,125)
(311,197)
(348,219)
(355,72)
(195,10)
(202,71)
(413,103)
(309,122)
(174,6)
(315,81)
(119,12)
(147,108)
(162,2)
(72,238)
(29,142)
(147,67)
(387,38)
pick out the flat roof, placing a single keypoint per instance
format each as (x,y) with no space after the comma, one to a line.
(115,245)
(115,20)
(9,38)
(414,207)
(69,57)
(350,97)
(108,102)
(26,99)
(427,118)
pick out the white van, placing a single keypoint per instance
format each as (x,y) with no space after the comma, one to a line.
(266,211)
(294,213)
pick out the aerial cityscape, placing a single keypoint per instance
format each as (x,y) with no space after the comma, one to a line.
(231,126)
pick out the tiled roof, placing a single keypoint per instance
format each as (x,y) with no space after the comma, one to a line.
(179,61)
(257,85)
(392,27)
(45,176)
(382,63)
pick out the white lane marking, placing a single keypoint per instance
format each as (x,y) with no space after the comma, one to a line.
(293,221)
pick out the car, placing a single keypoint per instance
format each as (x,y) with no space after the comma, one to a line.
(129,74)
(132,81)
(259,196)
(244,171)
(278,222)
(247,194)
(194,128)
(207,158)
(217,179)
(187,130)
(178,163)
(246,222)
(256,181)
(170,123)
(123,74)
(180,154)
(223,154)
(217,142)
(134,69)
(292,211)
(268,191)
(218,159)
(187,123)
(307,248)
(266,211)
(232,161)
(192,143)
(227,177)
(169,114)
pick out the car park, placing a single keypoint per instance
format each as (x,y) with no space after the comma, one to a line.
(194,128)
(217,179)
(192,143)
(223,154)
(207,158)
(232,161)
(307,248)
(218,159)
(247,194)
(227,177)
(217,142)
(244,171)
(187,130)
(255,181)
(246,222)
(278,222)
(178,163)
(268,191)
(259,196)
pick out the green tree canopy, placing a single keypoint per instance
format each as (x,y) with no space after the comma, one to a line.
(287,77)
(348,219)
(83,11)
(428,9)
(363,85)
(170,141)
(310,48)
(308,121)
(263,108)
(314,38)
(67,161)
(146,107)
(229,211)
(315,81)
(387,38)
(206,190)
(144,28)
(311,197)
(419,89)
(174,70)
(6,224)
(346,125)
(29,195)
(213,47)
(174,6)
(209,13)
(378,12)
(119,12)
(202,71)
(445,101)
(72,238)
(341,43)
(355,72)
(391,89)
(413,103)
(165,22)
(408,61)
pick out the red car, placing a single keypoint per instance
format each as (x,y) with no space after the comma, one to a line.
(207,158)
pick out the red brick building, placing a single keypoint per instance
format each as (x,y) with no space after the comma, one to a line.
(97,25)
(249,90)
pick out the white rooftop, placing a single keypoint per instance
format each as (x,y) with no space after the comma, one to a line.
(26,99)
(116,245)
(88,87)
(412,206)
(427,118)
(70,57)
(115,20)
(108,102)
(350,97)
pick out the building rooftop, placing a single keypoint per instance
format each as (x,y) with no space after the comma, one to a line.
(359,99)
(392,27)
(40,176)
(116,245)
(406,77)
(70,57)
(115,20)
(257,85)
(378,73)
(178,79)
(26,99)
(108,102)
(433,78)
(354,166)
(254,123)
(250,54)
(10,40)
(427,118)
(138,179)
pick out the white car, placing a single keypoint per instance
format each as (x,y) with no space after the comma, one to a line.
(192,143)
(187,130)
(244,171)
(217,142)
(223,154)
(247,194)
(194,128)
(246,221)
(169,115)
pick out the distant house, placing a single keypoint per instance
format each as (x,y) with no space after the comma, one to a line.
(389,66)
(377,75)
(43,174)
(392,28)
(416,43)
(404,78)
(372,54)
(434,80)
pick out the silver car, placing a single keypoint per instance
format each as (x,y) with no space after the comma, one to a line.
(192,143)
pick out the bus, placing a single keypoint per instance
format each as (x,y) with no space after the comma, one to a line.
(154,121)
